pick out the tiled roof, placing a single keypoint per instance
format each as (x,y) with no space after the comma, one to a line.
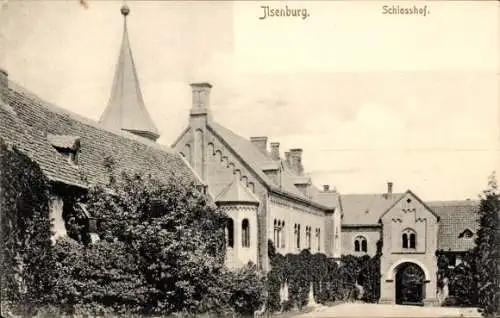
(366,209)
(455,218)
(129,152)
(126,109)
(34,145)
(259,162)
(236,192)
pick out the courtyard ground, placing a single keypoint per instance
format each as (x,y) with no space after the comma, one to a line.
(379,310)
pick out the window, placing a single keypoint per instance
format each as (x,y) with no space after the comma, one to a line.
(230,233)
(356,246)
(360,244)
(279,233)
(245,233)
(466,234)
(308,236)
(297,235)
(318,238)
(409,239)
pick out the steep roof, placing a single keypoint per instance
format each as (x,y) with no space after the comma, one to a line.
(366,209)
(126,109)
(35,146)
(236,192)
(129,152)
(259,162)
(455,218)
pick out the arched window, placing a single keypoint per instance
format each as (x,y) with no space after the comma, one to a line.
(409,239)
(308,236)
(279,234)
(318,238)
(297,234)
(245,233)
(282,231)
(360,244)
(230,233)
(413,240)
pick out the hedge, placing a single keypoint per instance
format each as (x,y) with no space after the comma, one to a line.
(331,282)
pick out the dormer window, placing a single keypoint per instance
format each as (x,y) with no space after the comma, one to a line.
(68,146)
(467,233)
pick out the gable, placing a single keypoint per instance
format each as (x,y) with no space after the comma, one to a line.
(409,209)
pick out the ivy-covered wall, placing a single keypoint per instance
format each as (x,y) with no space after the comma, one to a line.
(27,254)
(355,278)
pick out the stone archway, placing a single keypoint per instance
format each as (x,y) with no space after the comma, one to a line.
(410,284)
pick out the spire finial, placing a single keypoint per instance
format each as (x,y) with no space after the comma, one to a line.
(125,10)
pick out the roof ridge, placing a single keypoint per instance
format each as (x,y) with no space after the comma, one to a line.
(85,120)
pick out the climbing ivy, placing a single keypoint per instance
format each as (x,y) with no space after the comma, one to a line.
(27,254)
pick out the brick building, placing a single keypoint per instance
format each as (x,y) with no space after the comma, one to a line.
(264,191)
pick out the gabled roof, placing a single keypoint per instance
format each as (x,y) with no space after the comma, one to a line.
(129,152)
(456,217)
(235,192)
(366,209)
(126,109)
(417,198)
(258,162)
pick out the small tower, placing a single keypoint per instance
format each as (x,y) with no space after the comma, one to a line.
(126,109)
(240,206)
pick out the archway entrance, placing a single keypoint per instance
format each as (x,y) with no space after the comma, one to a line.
(410,285)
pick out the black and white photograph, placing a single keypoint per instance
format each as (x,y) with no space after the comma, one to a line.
(241,158)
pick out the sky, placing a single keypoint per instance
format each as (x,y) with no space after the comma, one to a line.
(369,97)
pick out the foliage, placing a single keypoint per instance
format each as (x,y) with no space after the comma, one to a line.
(27,258)
(245,287)
(487,251)
(161,251)
(330,281)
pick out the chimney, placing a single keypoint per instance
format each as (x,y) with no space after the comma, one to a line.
(275,150)
(389,188)
(326,188)
(296,160)
(260,143)
(201,100)
(4,86)
(287,159)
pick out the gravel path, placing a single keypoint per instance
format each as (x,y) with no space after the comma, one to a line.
(379,310)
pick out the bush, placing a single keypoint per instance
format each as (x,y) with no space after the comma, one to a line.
(246,289)
(27,255)
(161,251)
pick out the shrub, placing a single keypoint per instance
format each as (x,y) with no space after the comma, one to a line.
(246,289)
(161,251)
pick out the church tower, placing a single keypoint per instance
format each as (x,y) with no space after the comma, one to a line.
(126,109)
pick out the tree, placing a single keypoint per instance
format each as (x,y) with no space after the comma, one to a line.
(169,243)
(487,251)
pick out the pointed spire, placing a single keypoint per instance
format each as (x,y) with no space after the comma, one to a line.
(126,109)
